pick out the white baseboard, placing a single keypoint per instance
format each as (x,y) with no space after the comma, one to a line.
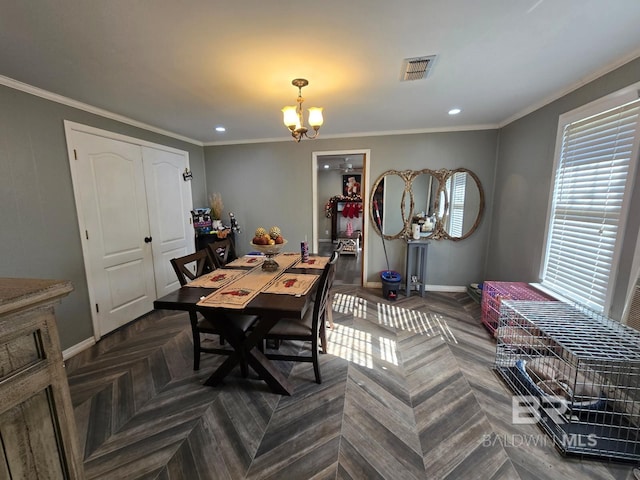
(78,347)
(428,288)
(445,288)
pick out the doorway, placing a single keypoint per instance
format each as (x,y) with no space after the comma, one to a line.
(336,176)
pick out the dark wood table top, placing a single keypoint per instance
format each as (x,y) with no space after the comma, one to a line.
(186,299)
(283,306)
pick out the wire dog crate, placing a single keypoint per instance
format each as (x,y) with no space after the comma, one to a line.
(582,367)
(494,292)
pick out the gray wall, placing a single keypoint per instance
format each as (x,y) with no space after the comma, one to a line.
(270,183)
(39,235)
(523,186)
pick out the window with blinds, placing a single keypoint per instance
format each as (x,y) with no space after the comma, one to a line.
(591,185)
(456,185)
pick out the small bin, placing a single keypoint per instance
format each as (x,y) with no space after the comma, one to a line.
(390,284)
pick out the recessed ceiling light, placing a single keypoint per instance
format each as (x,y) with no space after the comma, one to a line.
(221,129)
(326,166)
(454,111)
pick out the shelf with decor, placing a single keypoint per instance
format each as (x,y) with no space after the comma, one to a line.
(346,218)
(346,223)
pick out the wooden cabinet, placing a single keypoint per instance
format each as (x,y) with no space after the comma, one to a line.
(37,424)
(202,240)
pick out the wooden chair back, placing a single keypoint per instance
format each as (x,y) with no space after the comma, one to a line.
(222,251)
(202,261)
(322,294)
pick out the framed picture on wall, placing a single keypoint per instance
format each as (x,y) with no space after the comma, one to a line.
(351,184)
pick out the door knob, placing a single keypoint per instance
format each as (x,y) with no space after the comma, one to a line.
(147,239)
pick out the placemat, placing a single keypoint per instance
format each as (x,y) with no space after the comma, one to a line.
(292,284)
(314,262)
(216,279)
(246,261)
(286,259)
(241,291)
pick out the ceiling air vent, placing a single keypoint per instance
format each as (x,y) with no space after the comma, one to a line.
(417,68)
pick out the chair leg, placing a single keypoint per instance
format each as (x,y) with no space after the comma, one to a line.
(196,340)
(323,336)
(316,360)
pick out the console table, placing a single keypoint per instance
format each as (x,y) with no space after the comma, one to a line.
(416,273)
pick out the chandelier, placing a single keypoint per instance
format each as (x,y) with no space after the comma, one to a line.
(293,115)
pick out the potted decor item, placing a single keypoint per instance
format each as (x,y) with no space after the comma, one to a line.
(215,201)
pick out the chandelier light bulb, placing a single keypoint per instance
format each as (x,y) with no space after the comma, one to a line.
(315,117)
(290,116)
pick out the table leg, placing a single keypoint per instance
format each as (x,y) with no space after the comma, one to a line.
(329,312)
(235,338)
(247,347)
(264,367)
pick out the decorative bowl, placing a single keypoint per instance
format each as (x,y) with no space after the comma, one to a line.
(270,251)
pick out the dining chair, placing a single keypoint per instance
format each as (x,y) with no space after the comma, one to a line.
(203,264)
(222,251)
(311,328)
(191,266)
(337,251)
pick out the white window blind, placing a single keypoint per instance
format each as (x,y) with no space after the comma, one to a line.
(587,205)
(457,188)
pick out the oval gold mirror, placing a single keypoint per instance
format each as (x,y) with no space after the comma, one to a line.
(391,204)
(425,186)
(464,204)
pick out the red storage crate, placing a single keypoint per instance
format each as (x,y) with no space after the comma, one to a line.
(494,292)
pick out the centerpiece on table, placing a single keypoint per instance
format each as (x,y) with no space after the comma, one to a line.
(270,243)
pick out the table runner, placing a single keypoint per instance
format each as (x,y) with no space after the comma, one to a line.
(216,279)
(241,291)
(292,284)
(246,261)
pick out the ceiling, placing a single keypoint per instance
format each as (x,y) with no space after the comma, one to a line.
(186,67)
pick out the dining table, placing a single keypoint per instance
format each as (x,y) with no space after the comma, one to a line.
(269,299)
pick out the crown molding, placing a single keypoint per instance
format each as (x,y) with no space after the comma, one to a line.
(585,80)
(54,97)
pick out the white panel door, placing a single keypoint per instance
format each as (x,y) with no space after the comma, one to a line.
(110,193)
(170,204)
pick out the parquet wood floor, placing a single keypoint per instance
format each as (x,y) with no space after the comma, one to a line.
(408,393)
